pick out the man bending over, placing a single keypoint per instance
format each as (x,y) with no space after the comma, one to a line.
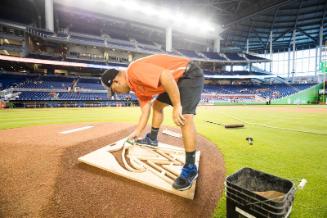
(173,80)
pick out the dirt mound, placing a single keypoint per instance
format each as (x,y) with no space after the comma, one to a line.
(46,179)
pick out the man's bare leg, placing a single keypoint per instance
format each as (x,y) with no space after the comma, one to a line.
(189,133)
(189,172)
(157,118)
(158,115)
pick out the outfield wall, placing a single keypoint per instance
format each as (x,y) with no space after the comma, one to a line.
(307,96)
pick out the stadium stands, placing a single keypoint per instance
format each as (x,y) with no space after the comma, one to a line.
(69,96)
(45,55)
(144,41)
(52,87)
(91,39)
(115,35)
(254,58)
(214,56)
(121,44)
(264,90)
(15,48)
(189,53)
(173,52)
(234,57)
(115,41)
(92,84)
(47,88)
(234,73)
(149,48)
(11,80)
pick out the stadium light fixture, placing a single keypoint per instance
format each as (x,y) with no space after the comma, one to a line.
(176,19)
(115,3)
(131,5)
(149,10)
(165,14)
(192,22)
(179,17)
(139,11)
(206,26)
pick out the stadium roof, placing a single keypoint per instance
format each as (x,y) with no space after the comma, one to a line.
(254,19)
(241,20)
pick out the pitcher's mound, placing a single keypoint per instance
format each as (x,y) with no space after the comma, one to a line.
(85,191)
(41,176)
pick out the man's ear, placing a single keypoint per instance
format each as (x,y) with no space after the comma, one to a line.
(106,87)
(109,93)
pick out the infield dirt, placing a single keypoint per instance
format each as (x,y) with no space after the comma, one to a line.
(40,176)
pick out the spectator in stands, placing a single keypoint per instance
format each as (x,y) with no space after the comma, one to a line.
(177,82)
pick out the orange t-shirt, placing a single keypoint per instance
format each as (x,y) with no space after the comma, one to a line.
(143,74)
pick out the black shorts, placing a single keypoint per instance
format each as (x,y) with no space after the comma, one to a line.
(190,86)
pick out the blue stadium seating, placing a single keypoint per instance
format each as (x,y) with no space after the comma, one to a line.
(14,48)
(40,84)
(122,42)
(214,56)
(125,45)
(152,49)
(143,41)
(95,40)
(93,86)
(173,53)
(254,58)
(117,36)
(60,85)
(189,53)
(12,80)
(271,91)
(234,73)
(234,57)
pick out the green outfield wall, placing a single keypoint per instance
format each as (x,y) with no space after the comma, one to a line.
(307,96)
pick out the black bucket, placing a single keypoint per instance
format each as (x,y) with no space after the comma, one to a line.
(244,201)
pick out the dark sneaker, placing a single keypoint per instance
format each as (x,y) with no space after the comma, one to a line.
(147,141)
(185,180)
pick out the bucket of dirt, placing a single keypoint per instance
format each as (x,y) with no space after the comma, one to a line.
(252,193)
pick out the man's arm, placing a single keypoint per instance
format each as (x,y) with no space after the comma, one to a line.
(146,109)
(168,82)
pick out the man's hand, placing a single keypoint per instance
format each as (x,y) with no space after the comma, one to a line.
(168,82)
(134,135)
(178,117)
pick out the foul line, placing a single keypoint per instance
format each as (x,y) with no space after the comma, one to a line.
(76,130)
(281,128)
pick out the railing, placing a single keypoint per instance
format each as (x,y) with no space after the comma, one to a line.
(81,90)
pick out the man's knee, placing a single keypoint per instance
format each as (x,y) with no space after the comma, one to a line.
(188,117)
(158,106)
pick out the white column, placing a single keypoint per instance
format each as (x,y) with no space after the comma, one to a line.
(294,44)
(247,46)
(49,15)
(169,38)
(265,64)
(289,64)
(270,48)
(321,36)
(130,57)
(316,63)
(216,45)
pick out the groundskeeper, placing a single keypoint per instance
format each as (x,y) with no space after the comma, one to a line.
(158,81)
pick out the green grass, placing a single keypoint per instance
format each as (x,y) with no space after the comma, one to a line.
(288,154)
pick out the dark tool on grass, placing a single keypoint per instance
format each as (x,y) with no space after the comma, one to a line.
(227,126)
(250,140)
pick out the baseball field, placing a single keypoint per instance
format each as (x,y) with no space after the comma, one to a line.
(288,141)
